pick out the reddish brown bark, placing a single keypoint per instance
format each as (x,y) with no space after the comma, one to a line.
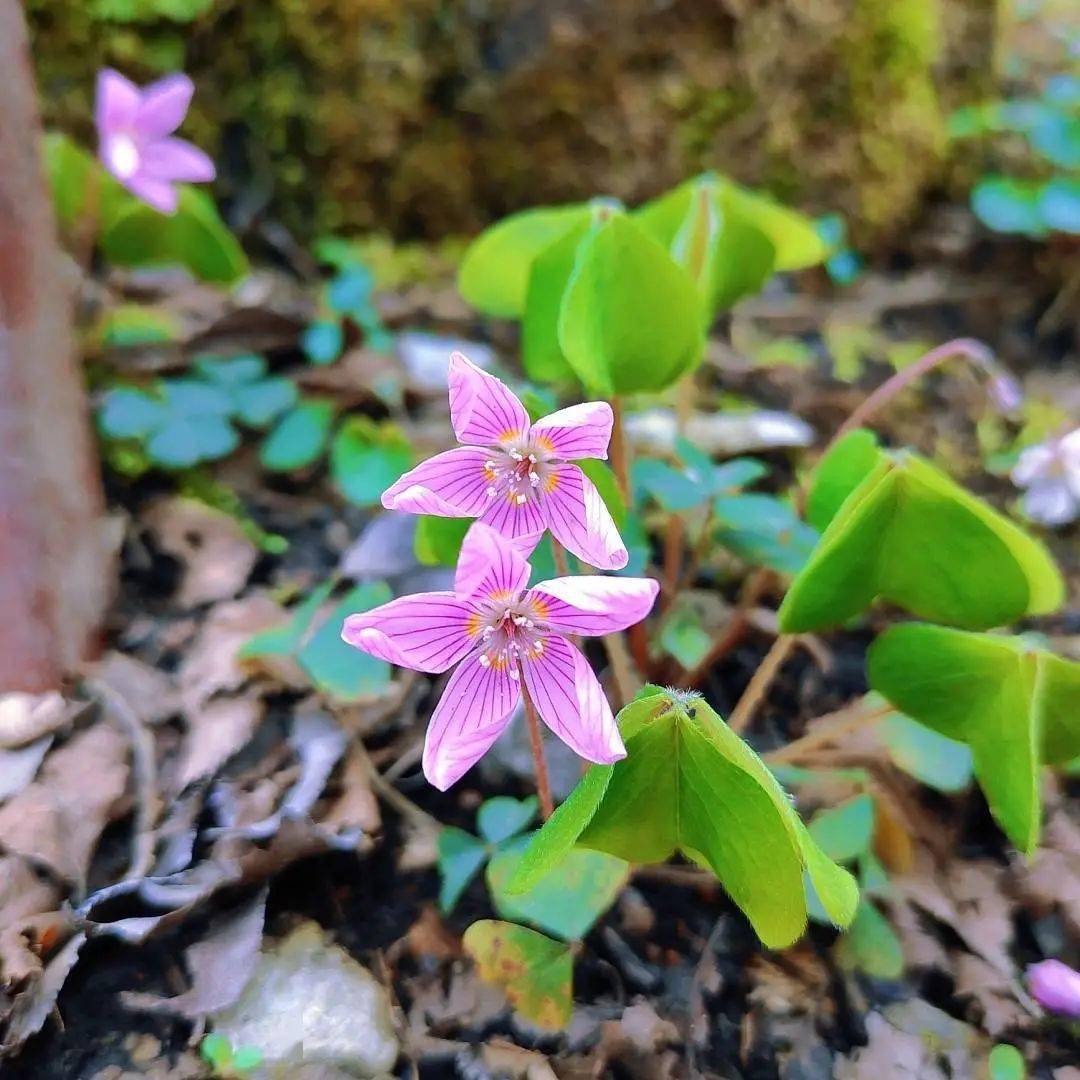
(55,566)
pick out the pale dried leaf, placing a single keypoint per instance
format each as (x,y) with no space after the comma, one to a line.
(212,665)
(357,805)
(220,965)
(19,767)
(216,555)
(58,819)
(216,732)
(150,693)
(27,717)
(34,1004)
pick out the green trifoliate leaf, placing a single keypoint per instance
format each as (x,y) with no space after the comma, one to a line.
(286,639)
(940,763)
(127,413)
(1006,1063)
(366,458)
(1012,703)
(908,534)
(567,901)
(494,274)
(500,818)
(461,856)
(839,473)
(871,945)
(690,784)
(437,540)
(299,437)
(335,668)
(535,972)
(194,237)
(541,353)
(846,831)
(630,318)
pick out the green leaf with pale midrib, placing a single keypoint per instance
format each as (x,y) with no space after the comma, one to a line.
(1013,704)
(690,784)
(907,533)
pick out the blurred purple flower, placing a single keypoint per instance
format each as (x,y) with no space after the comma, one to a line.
(1050,471)
(135,137)
(1056,987)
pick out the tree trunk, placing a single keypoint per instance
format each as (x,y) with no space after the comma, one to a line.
(55,566)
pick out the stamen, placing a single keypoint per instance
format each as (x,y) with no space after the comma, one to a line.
(492,492)
(485,660)
(517,455)
(520,498)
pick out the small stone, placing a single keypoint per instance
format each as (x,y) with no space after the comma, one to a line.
(311,1003)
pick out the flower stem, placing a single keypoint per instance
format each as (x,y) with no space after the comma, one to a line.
(562,564)
(968,348)
(620,459)
(536,744)
(759,685)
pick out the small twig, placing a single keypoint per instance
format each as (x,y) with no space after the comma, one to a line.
(536,744)
(144,770)
(827,729)
(697,552)
(735,630)
(390,794)
(972,350)
(622,668)
(762,679)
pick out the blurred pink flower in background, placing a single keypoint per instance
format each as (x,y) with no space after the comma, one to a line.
(1056,987)
(499,633)
(135,137)
(1050,472)
(516,476)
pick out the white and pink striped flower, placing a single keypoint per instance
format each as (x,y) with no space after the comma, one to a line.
(501,634)
(136,142)
(517,477)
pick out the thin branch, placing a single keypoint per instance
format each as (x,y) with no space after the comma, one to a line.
(758,686)
(828,729)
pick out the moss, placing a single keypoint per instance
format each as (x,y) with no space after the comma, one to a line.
(428,117)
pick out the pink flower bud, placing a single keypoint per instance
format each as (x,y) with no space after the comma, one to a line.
(1056,987)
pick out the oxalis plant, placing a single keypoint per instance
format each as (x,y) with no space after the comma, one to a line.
(618,302)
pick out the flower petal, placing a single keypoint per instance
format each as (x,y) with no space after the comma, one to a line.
(426,631)
(1032,463)
(159,194)
(451,484)
(176,159)
(579,520)
(483,409)
(490,564)
(117,102)
(164,105)
(514,519)
(473,712)
(1051,502)
(581,431)
(570,700)
(592,604)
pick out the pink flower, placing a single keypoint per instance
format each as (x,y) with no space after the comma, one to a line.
(515,476)
(135,140)
(1056,987)
(499,633)
(1051,473)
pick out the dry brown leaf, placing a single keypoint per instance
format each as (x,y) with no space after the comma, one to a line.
(429,937)
(220,965)
(19,767)
(212,665)
(34,1004)
(149,693)
(357,805)
(507,1060)
(216,555)
(994,994)
(58,819)
(25,718)
(216,732)
(25,896)
(1051,878)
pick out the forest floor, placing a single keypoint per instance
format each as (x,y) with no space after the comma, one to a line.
(151,819)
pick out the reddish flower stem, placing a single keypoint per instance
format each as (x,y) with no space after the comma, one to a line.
(536,744)
(968,348)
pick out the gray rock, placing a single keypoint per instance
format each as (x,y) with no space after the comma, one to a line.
(310,1003)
